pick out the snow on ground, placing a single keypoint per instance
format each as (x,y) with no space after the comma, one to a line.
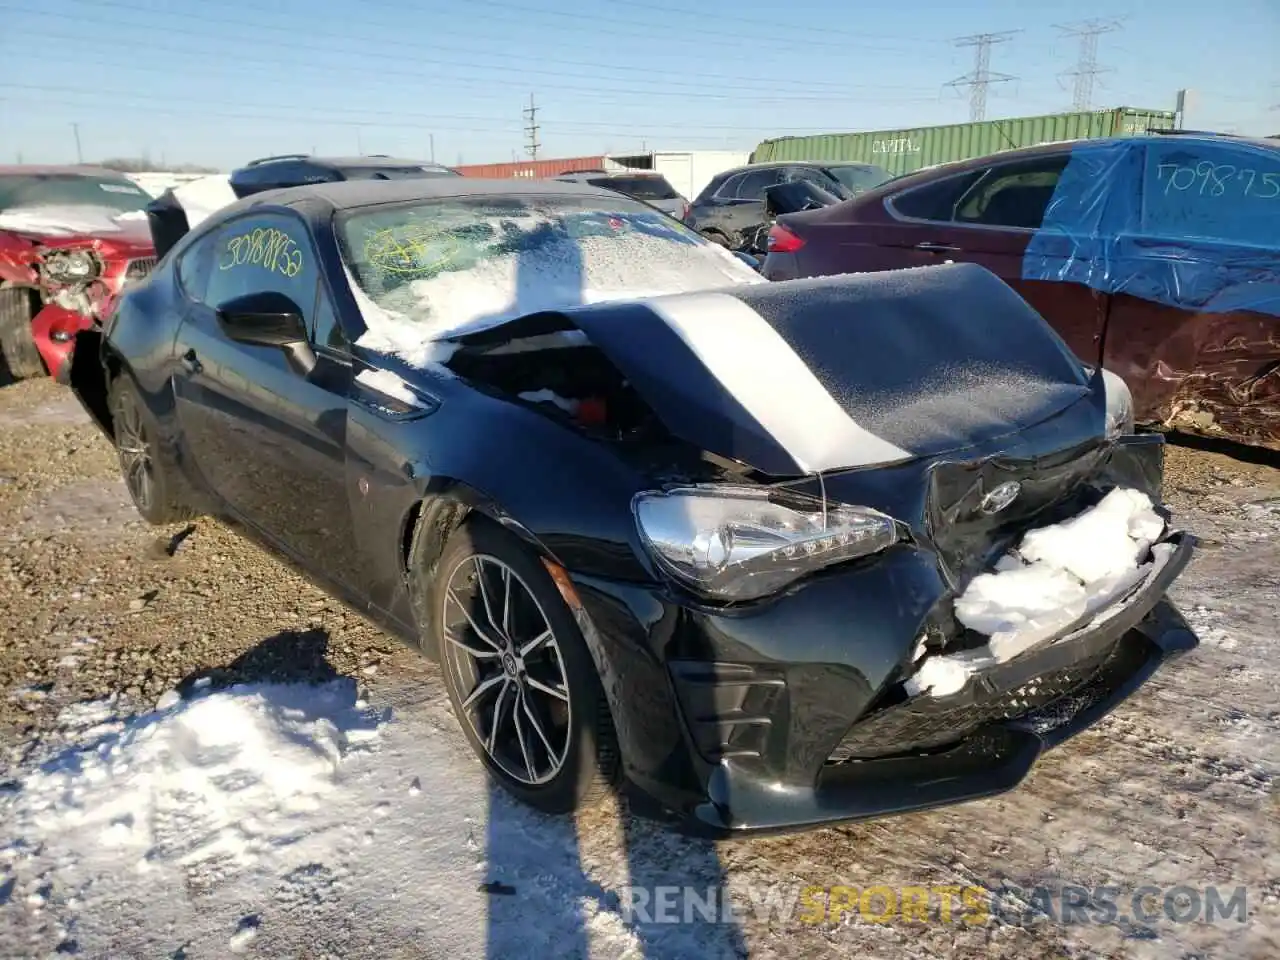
(287,821)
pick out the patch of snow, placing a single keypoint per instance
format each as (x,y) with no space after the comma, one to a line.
(549,396)
(220,777)
(204,197)
(1057,575)
(386,382)
(65,220)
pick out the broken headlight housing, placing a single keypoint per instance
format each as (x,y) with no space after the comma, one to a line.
(743,543)
(71,266)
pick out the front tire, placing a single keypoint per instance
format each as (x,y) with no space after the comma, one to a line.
(518,672)
(17,345)
(149,472)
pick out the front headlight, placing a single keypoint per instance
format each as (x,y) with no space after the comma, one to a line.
(742,543)
(71,265)
(1119,405)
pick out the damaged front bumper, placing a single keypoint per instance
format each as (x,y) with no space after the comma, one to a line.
(799,712)
(983,740)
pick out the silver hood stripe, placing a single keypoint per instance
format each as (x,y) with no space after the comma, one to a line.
(772,383)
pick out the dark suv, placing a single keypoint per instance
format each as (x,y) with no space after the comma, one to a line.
(730,209)
(650,188)
(296,169)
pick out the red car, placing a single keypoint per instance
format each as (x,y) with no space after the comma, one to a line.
(70,239)
(1155,256)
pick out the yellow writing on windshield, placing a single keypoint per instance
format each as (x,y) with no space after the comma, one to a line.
(411,251)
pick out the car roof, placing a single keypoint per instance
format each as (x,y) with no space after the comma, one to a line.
(344,163)
(43,169)
(346,194)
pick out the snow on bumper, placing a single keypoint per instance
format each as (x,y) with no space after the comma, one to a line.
(1062,580)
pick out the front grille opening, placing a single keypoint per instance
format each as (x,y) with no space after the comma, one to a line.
(925,725)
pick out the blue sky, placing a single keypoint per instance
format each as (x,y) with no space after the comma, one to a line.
(220,82)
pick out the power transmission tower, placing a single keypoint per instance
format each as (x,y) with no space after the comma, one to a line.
(531,129)
(981,77)
(1087,68)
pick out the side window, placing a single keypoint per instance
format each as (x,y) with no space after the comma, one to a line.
(1014,194)
(754,185)
(1212,192)
(325,331)
(262,252)
(934,201)
(193,267)
(729,189)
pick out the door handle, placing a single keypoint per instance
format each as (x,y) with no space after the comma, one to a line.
(930,247)
(191,363)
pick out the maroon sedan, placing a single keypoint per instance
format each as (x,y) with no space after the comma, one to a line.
(1156,256)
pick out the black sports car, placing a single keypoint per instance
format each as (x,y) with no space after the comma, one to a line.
(768,554)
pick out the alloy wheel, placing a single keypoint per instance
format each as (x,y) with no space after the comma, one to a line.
(134,448)
(513,691)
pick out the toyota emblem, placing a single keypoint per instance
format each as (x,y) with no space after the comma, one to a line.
(1000,498)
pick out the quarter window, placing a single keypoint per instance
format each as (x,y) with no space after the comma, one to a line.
(934,201)
(1013,194)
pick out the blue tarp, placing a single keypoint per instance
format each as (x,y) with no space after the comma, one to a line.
(1189,222)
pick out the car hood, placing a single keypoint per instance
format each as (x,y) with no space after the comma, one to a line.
(807,376)
(56,226)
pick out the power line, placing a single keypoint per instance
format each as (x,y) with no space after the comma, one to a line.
(696,89)
(1087,69)
(531,129)
(981,77)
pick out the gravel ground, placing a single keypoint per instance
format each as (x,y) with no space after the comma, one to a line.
(1175,788)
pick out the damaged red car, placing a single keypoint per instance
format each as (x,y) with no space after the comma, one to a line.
(1156,257)
(70,239)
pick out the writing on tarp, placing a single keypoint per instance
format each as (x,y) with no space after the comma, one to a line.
(266,247)
(1209,179)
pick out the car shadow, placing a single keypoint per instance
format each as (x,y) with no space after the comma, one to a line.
(548,872)
(290,656)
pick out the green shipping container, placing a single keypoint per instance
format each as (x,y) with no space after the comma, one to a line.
(903,151)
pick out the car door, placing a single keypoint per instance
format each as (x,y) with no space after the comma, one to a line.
(1193,325)
(991,216)
(268,441)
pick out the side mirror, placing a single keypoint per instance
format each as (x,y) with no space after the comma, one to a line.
(269,319)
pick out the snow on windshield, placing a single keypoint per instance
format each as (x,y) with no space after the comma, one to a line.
(427,272)
(67,220)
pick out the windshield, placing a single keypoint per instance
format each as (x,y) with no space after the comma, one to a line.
(638,188)
(119,195)
(860,177)
(432,268)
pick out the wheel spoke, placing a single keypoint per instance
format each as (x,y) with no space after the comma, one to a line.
(471,651)
(484,595)
(498,702)
(524,747)
(474,626)
(482,688)
(558,692)
(506,601)
(536,642)
(537,728)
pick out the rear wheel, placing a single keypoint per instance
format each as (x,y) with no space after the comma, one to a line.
(518,672)
(149,472)
(17,344)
